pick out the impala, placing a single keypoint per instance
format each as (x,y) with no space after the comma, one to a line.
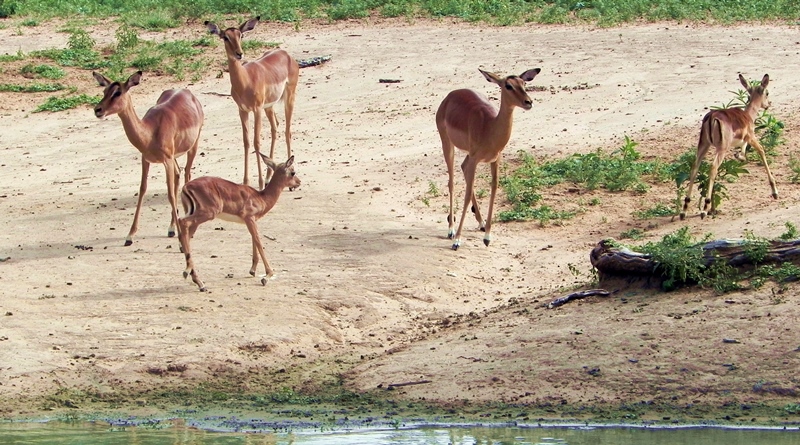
(258,85)
(167,130)
(730,129)
(208,197)
(467,120)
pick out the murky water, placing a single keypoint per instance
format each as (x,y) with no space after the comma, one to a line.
(56,433)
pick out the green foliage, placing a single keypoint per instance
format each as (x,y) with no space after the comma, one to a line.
(32,88)
(794,165)
(659,210)
(127,38)
(4,58)
(79,52)
(54,103)
(790,233)
(151,19)
(543,214)
(679,257)
(634,234)
(45,71)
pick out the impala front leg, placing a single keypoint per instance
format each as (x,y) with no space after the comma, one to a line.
(257,145)
(755,143)
(142,191)
(254,265)
(244,117)
(252,227)
(449,154)
(273,127)
(495,170)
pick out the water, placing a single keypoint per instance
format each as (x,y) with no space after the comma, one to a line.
(56,433)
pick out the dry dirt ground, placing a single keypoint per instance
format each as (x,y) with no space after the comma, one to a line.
(367,285)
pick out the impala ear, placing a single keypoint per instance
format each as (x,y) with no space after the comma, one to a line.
(289,162)
(101,79)
(213,29)
(133,80)
(249,25)
(491,77)
(744,82)
(765,80)
(269,162)
(527,76)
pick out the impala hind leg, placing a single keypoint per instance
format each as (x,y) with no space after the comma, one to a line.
(273,131)
(176,185)
(702,149)
(753,141)
(142,191)
(244,117)
(187,227)
(468,167)
(719,156)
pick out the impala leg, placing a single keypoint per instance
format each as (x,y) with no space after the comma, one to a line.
(244,117)
(288,103)
(255,260)
(753,141)
(187,227)
(253,228)
(468,167)
(702,149)
(719,156)
(190,155)
(273,127)
(476,211)
(449,154)
(142,191)
(495,170)
(176,185)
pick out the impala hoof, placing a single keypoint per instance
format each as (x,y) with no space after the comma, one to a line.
(486,242)
(264,281)
(683,216)
(203,289)
(252,273)
(775,195)
(451,234)
(171,234)
(128,242)
(456,245)
(702,215)
(185,275)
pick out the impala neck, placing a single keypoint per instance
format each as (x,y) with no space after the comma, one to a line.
(239,77)
(752,110)
(502,123)
(136,130)
(271,192)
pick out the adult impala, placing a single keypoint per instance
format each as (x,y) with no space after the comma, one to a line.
(209,197)
(726,129)
(258,85)
(468,121)
(168,130)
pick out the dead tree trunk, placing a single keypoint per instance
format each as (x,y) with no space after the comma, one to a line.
(614,262)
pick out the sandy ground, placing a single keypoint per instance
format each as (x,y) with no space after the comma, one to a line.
(364,268)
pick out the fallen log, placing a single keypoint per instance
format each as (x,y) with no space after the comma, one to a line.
(313,61)
(613,261)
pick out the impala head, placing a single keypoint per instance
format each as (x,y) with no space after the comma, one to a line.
(512,88)
(232,37)
(283,172)
(115,93)
(759,96)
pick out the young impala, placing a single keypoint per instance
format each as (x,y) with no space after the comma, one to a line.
(730,129)
(167,130)
(468,121)
(208,197)
(258,85)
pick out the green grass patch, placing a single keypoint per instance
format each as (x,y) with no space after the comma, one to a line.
(42,70)
(54,104)
(32,88)
(657,211)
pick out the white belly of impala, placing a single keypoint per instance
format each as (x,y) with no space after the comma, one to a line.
(231,218)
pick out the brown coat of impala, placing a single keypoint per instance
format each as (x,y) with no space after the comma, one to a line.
(209,197)
(466,120)
(730,129)
(168,130)
(258,85)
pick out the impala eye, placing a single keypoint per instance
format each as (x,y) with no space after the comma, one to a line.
(116,94)
(293,173)
(509,87)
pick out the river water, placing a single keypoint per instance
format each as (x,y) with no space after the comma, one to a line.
(96,433)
